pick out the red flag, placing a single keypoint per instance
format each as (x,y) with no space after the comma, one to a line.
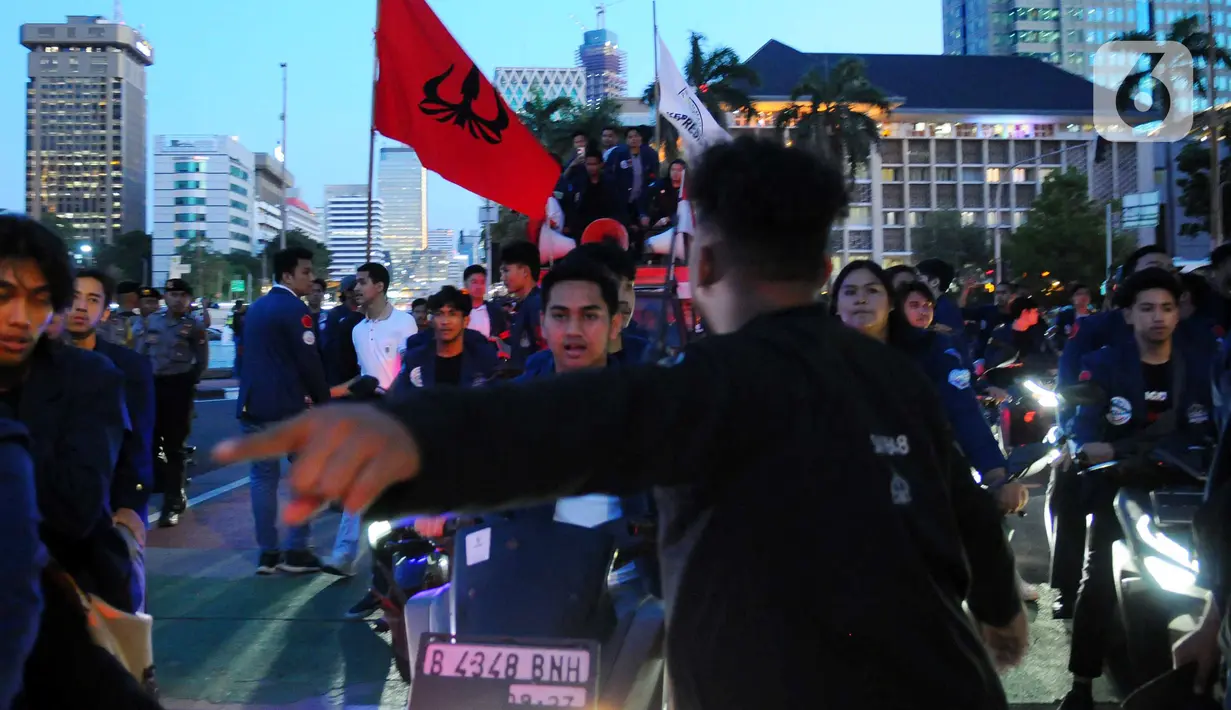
(432,97)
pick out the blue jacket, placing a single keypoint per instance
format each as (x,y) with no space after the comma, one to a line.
(635,352)
(526,330)
(479,361)
(21,566)
(1002,348)
(619,168)
(281,362)
(1121,418)
(949,314)
(134,473)
(940,359)
(1088,335)
(336,345)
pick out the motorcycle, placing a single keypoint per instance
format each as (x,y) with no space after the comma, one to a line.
(406,564)
(580,627)
(1029,413)
(1155,564)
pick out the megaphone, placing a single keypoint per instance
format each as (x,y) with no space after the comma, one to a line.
(661,244)
(603,229)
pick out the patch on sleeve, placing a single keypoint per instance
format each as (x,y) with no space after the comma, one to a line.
(309,338)
(1197,414)
(1120,412)
(960,378)
(416,377)
(1085,376)
(306,321)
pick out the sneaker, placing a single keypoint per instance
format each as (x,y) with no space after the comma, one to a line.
(300,562)
(339,568)
(268,563)
(365,608)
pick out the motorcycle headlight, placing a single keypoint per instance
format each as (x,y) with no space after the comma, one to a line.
(1045,397)
(378,530)
(1173,567)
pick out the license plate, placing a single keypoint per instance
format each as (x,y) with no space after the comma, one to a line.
(539,665)
(549,695)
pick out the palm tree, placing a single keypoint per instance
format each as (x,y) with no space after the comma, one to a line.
(1187,31)
(835,122)
(719,77)
(542,116)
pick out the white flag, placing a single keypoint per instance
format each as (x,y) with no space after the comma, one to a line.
(678,103)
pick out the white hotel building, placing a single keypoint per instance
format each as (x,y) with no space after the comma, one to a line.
(203,188)
(346,229)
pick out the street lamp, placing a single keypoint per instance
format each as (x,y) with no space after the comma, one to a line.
(88,250)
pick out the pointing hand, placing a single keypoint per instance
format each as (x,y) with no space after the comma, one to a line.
(344,452)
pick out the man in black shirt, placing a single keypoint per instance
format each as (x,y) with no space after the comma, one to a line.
(763,421)
(1155,388)
(448,353)
(336,344)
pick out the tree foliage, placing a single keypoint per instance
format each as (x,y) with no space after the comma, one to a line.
(509,227)
(554,122)
(128,257)
(1064,235)
(834,123)
(720,79)
(1193,163)
(944,236)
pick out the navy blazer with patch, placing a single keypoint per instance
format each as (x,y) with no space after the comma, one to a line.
(1117,370)
(282,366)
(479,361)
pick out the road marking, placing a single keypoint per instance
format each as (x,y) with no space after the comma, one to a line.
(208,495)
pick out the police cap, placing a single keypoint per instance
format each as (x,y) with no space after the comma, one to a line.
(178,285)
(348,283)
(126,287)
(148,292)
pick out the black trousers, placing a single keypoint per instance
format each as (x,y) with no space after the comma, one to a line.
(1096,598)
(1068,516)
(173,395)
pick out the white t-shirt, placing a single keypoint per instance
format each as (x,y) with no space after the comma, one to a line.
(480,321)
(380,345)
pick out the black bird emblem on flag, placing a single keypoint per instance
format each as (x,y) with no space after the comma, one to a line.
(462,113)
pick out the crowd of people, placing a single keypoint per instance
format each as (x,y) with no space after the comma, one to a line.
(619,181)
(864,403)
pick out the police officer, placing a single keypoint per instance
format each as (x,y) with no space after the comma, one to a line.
(178,348)
(118,326)
(149,300)
(1153,389)
(882,602)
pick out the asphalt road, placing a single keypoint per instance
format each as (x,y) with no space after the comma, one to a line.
(225,638)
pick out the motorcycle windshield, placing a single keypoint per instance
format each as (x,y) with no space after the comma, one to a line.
(532,578)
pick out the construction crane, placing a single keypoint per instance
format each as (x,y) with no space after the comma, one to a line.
(600,9)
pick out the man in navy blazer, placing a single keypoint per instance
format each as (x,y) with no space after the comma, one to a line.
(449,353)
(634,167)
(282,376)
(134,471)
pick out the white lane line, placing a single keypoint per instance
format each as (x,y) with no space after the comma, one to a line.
(208,495)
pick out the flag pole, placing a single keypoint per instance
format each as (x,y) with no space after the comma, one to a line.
(372,134)
(657,85)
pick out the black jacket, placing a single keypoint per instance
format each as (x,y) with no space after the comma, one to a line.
(134,474)
(797,442)
(72,402)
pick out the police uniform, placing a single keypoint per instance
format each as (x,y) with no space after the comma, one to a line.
(178,349)
(863,444)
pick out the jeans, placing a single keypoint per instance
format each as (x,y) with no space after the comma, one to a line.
(264,489)
(136,554)
(346,544)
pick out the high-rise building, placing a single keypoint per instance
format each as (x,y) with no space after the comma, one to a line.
(85,124)
(519,84)
(203,192)
(346,228)
(302,217)
(272,182)
(470,245)
(402,187)
(605,65)
(1069,34)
